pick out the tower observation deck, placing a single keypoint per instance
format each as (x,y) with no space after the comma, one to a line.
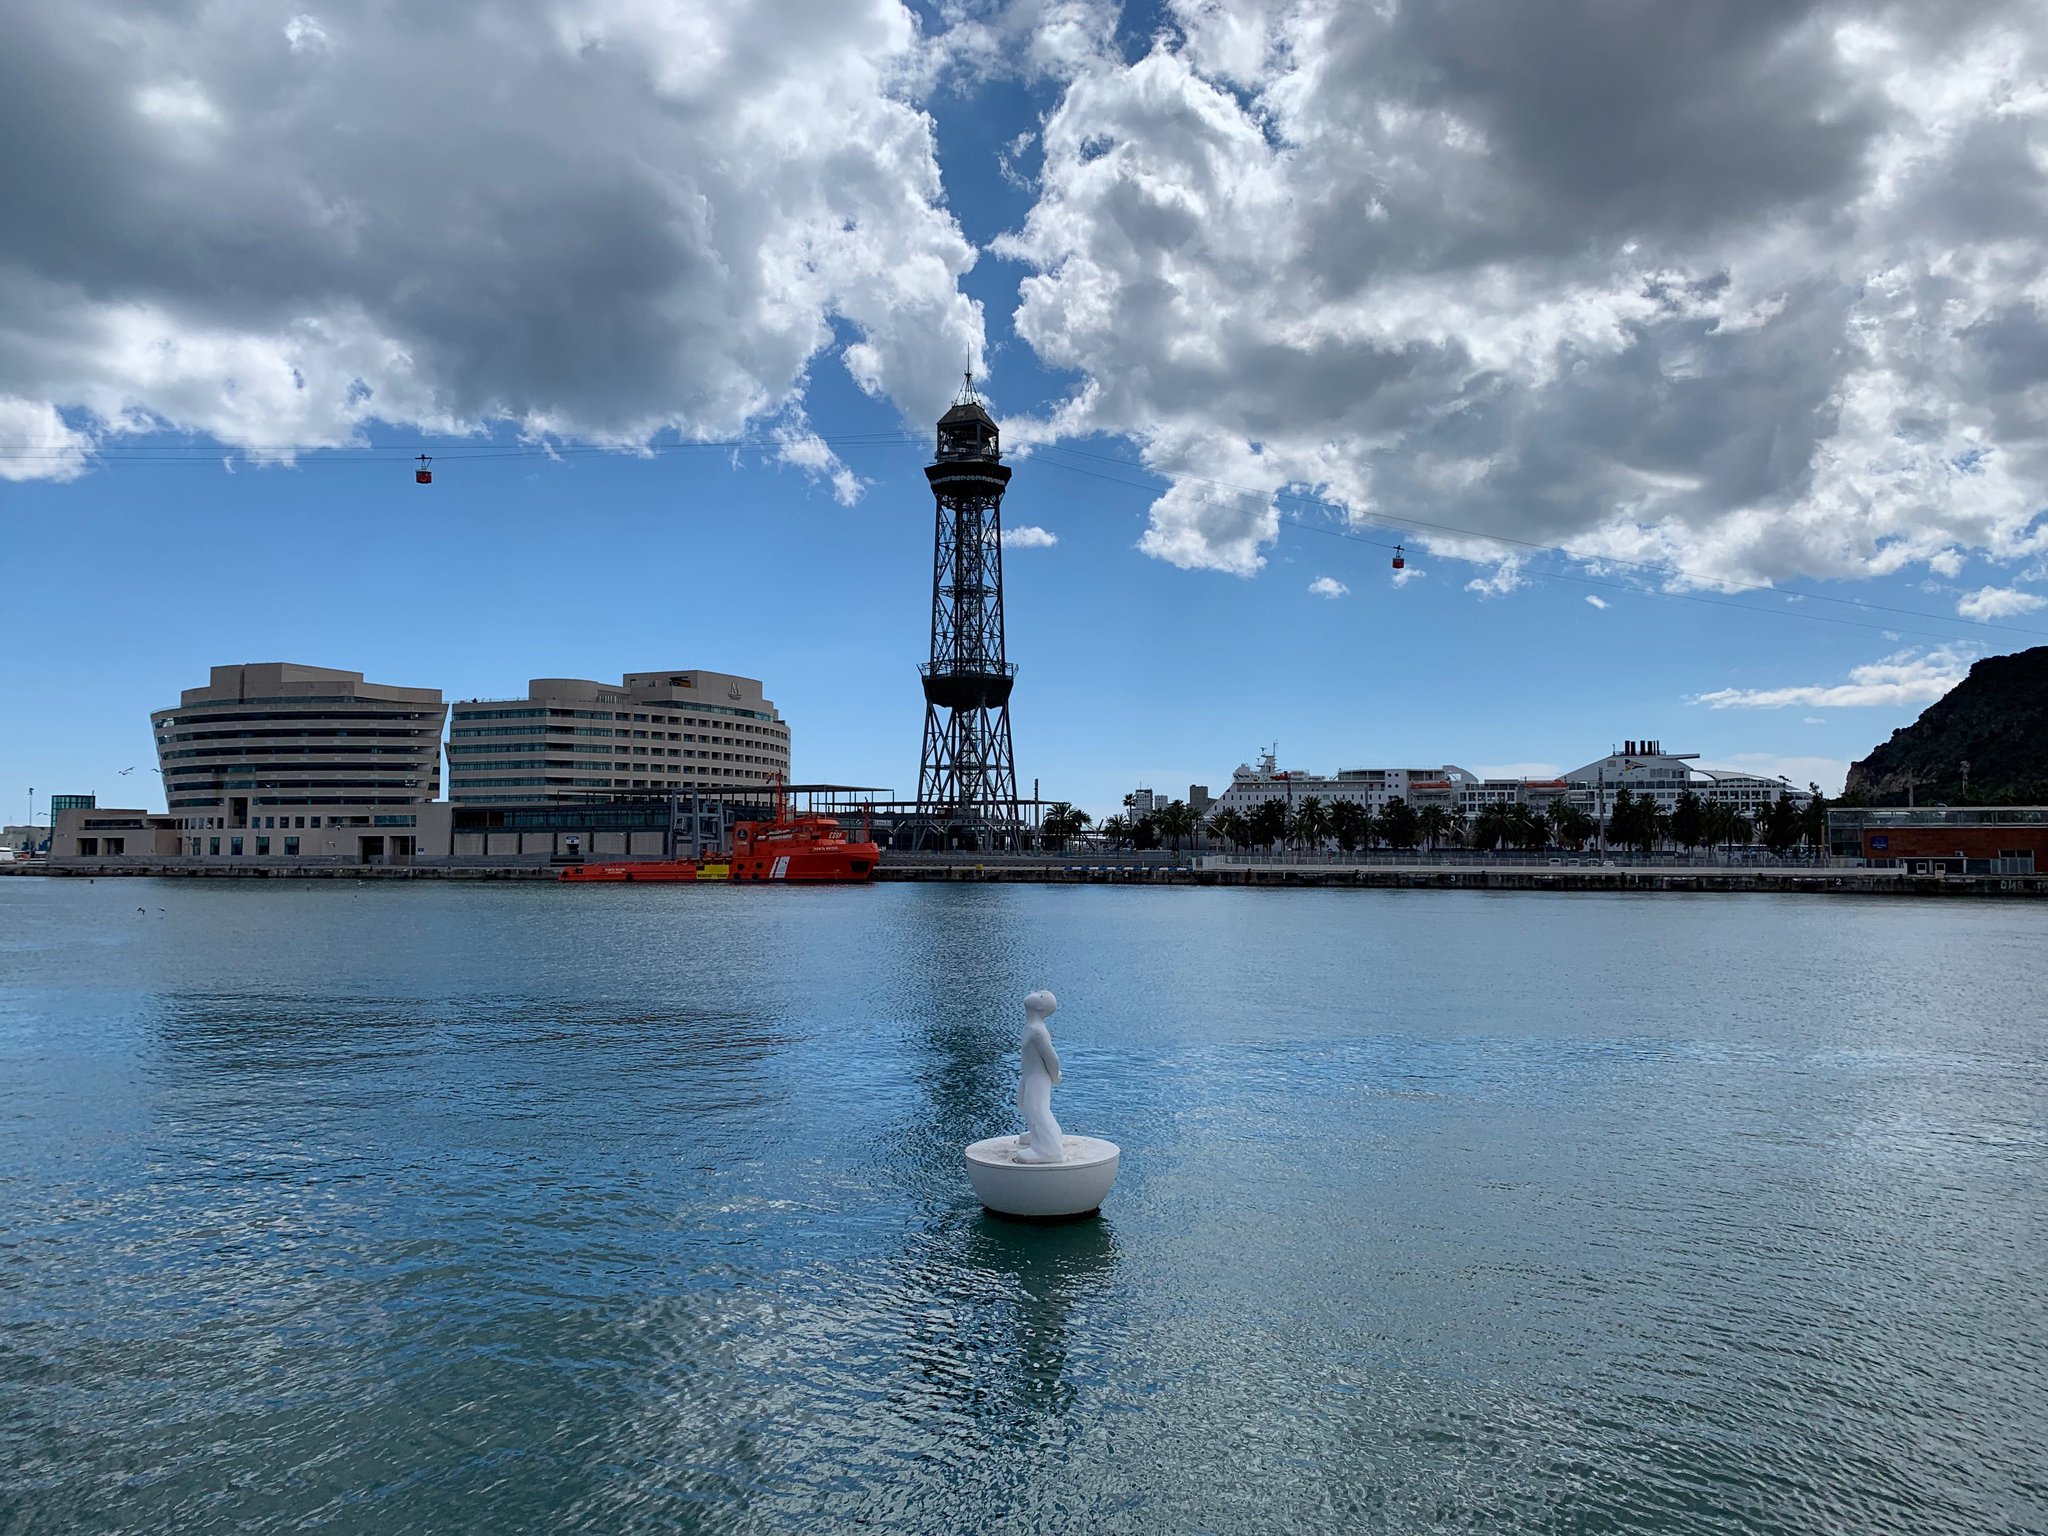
(967,775)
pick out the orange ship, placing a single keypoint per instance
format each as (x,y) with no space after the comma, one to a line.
(805,848)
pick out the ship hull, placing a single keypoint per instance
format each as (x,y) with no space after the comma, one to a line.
(829,864)
(635,872)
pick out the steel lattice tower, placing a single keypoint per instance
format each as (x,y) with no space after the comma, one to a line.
(967,776)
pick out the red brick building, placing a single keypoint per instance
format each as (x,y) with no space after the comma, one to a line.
(1953,839)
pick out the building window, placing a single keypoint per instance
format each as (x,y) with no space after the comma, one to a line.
(291,847)
(316,823)
(88,846)
(235,847)
(195,846)
(263,845)
(299,822)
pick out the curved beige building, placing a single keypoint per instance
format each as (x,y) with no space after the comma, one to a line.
(271,758)
(572,739)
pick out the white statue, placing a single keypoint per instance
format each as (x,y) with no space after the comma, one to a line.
(1041,1175)
(1041,1142)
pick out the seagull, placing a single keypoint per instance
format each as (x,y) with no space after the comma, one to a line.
(126,771)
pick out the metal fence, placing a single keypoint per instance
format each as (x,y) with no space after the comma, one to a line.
(1474,858)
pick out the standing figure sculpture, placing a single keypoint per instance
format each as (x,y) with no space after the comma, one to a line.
(1042,1175)
(1041,1141)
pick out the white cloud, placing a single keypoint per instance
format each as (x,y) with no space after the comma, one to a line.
(1032,38)
(1028,537)
(1597,602)
(1409,572)
(797,444)
(1506,578)
(1765,306)
(1904,678)
(1989,603)
(1329,586)
(600,219)
(35,444)
(304,34)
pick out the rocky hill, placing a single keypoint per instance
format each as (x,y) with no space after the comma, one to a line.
(1995,721)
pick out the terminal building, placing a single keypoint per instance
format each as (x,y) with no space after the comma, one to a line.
(1943,839)
(651,734)
(288,761)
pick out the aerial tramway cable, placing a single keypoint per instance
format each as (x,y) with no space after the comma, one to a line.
(1056,456)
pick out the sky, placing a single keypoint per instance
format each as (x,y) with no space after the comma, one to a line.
(1695,354)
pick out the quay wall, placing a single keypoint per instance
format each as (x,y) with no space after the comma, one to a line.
(535,868)
(1820,880)
(1799,880)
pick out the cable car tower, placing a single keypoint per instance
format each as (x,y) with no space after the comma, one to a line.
(967,776)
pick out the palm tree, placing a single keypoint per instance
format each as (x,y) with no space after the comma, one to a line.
(1570,824)
(1781,824)
(1638,822)
(1269,822)
(1311,823)
(1434,822)
(1399,824)
(1490,827)
(1525,828)
(1229,827)
(1118,830)
(1813,825)
(1061,821)
(1350,823)
(1176,821)
(1689,820)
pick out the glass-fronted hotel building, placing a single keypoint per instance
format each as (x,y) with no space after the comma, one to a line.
(656,733)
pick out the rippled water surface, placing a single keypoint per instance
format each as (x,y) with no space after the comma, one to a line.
(443,1208)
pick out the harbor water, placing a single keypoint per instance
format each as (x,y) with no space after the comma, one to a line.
(450,1207)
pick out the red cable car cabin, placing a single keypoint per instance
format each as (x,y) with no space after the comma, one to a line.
(423,475)
(1399,563)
